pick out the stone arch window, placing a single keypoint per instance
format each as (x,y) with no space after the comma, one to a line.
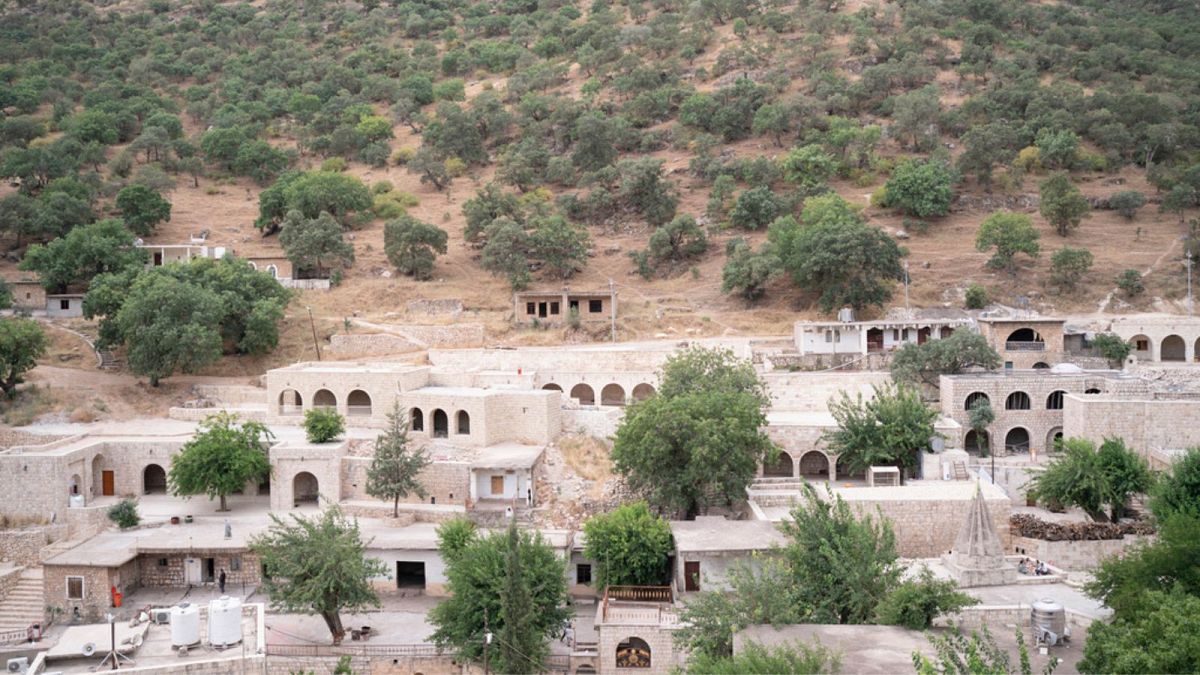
(633,652)
(1018,400)
(358,403)
(1024,338)
(814,463)
(441,424)
(154,480)
(75,485)
(782,467)
(1091,390)
(1055,400)
(418,420)
(290,402)
(324,399)
(612,394)
(550,386)
(1017,440)
(583,394)
(1173,348)
(463,423)
(1041,365)
(974,398)
(305,489)
(1053,439)
(252,265)
(273,271)
(643,391)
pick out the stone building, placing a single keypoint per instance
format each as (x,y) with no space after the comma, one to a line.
(64,305)
(561,307)
(27,294)
(1161,338)
(636,627)
(1025,342)
(707,546)
(1155,425)
(163,254)
(867,337)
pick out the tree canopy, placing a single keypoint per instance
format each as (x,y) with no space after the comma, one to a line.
(395,468)
(1093,479)
(924,363)
(629,546)
(890,429)
(85,252)
(1009,233)
(221,459)
(22,343)
(412,246)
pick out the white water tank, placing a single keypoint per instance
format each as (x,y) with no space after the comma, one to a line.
(224,621)
(76,502)
(185,625)
(1049,620)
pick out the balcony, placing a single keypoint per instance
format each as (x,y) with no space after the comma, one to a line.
(1017,346)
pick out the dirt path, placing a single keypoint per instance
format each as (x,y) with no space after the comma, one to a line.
(1103,304)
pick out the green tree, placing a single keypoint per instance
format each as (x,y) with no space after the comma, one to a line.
(981,417)
(431,169)
(924,363)
(915,603)
(673,243)
(1163,638)
(507,251)
(142,208)
(1178,491)
(1127,203)
(312,193)
(755,659)
(976,654)
(1130,283)
(643,190)
(315,244)
(260,160)
(755,208)
(561,246)
(595,139)
(1069,265)
(1112,347)
(984,147)
(976,297)
(322,424)
(700,439)
(630,547)
(522,649)
(221,458)
(395,468)
(1057,149)
(412,246)
(124,513)
(1091,479)
(318,566)
(809,167)
(86,251)
(1009,233)
(6,299)
(915,114)
(921,188)
(168,326)
(478,574)
(22,343)
(747,271)
(889,429)
(1062,204)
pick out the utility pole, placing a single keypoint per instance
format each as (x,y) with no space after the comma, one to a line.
(313,325)
(907,308)
(1189,279)
(612,308)
(487,640)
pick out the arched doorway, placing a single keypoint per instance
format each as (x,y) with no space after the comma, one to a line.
(305,489)
(1018,400)
(551,387)
(814,464)
(1017,440)
(324,399)
(975,443)
(782,467)
(154,480)
(103,478)
(643,391)
(463,423)
(1196,351)
(633,652)
(75,485)
(974,398)
(358,403)
(1053,438)
(418,420)
(441,424)
(583,394)
(290,402)
(1173,349)
(612,394)
(1143,348)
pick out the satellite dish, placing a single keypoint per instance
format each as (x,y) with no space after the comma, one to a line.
(89,648)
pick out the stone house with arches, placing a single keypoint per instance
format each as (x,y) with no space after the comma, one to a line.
(1161,339)
(1025,342)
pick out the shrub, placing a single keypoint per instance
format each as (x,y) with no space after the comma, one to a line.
(334,164)
(402,156)
(1069,265)
(1127,203)
(977,297)
(322,425)
(125,514)
(1112,347)
(1130,283)
(382,187)
(915,603)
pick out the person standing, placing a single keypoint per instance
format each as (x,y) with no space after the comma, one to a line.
(221,581)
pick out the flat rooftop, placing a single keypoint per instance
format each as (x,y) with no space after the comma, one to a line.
(382,367)
(507,456)
(714,533)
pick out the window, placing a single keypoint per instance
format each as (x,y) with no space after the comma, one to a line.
(895,335)
(975,398)
(583,574)
(1142,346)
(633,653)
(235,564)
(1055,400)
(554,308)
(74,588)
(163,562)
(1018,400)
(531,308)
(573,304)
(64,304)
(829,336)
(595,306)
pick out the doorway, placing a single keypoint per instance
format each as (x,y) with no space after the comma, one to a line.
(691,575)
(191,571)
(107,483)
(209,565)
(410,574)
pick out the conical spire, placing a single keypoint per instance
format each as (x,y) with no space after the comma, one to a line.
(978,546)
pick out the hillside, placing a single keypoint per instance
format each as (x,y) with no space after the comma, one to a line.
(686,85)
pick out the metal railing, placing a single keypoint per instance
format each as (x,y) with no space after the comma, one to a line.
(1025,346)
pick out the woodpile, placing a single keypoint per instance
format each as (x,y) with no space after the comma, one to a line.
(1026,525)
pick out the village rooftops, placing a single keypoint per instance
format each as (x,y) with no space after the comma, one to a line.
(507,456)
(714,533)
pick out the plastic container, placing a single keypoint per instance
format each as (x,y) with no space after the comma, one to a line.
(185,625)
(224,621)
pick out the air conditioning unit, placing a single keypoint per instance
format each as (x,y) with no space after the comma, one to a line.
(18,665)
(161,615)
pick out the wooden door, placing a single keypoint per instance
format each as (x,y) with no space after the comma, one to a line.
(691,576)
(497,485)
(106,482)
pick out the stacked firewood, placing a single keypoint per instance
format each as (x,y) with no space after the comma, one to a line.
(1027,525)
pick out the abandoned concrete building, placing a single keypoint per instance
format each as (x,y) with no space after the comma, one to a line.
(866,337)
(561,307)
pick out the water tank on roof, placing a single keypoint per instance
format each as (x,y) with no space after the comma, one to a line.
(846,314)
(224,621)
(185,625)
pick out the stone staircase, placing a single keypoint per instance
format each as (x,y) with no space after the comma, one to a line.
(25,603)
(959,471)
(108,360)
(767,491)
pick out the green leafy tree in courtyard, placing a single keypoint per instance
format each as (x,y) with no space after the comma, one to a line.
(915,603)
(924,363)
(1092,479)
(976,654)
(1112,347)
(395,469)
(22,343)
(318,566)
(1162,638)
(322,424)
(889,429)
(755,659)
(630,547)
(221,459)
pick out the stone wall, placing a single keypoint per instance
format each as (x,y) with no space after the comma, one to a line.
(1073,555)
(97,583)
(808,362)
(663,656)
(927,528)
(600,422)
(323,461)
(450,306)
(166,569)
(87,521)
(8,580)
(996,617)
(1145,425)
(446,482)
(24,547)
(407,338)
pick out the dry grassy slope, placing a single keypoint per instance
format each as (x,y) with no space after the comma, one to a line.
(943,261)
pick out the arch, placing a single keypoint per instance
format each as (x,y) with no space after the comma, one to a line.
(783,467)
(462,423)
(585,669)
(550,386)
(154,480)
(814,463)
(612,394)
(253,265)
(1018,400)
(945,332)
(305,489)
(324,399)
(273,271)
(75,485)
(975,397)
(1055,400)
(1173,348)
(1041,365)
(1143,347)
(1017,440)
(1025,335)
(976,443)
(290,402)
(643,391)
(358,403)
(633,652)
(583,394)
(1196,351)
(98,475)
(441,424)
(417,423)
(1052,438)
(1091,390)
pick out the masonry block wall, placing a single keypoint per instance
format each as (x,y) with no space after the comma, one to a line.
(446,482)
(1144,424)
(927,528)
(1072,555)
(1165,339)
(322,462)
(663,656)
(999,331)
(530,417)
(97,585)
(166,568)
